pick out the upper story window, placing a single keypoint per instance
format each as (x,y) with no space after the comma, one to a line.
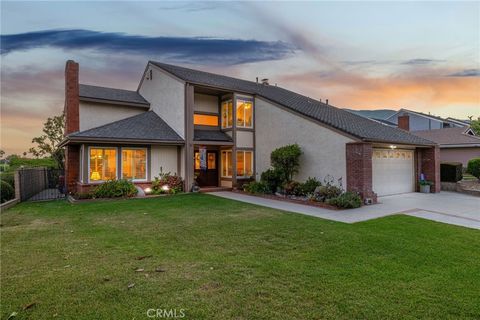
(102,164)
(227,114)
(205,120)
(244,113)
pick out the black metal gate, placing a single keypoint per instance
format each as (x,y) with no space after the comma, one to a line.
(38,184)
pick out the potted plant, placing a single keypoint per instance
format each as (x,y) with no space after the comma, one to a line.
(425,186)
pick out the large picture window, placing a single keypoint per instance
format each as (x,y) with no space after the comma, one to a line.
(102,164)
(244,113)
(227,114)
(227,166)
(244,164)
(134,164)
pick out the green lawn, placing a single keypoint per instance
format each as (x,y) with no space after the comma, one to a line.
(228,260)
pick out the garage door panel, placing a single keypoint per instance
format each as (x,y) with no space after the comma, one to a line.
(393,171)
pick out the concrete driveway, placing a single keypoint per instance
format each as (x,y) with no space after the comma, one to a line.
(447,207)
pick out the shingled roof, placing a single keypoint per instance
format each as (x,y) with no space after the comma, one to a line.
(147,126)
(211,135)
(112,95)
(355,125)
(450,137)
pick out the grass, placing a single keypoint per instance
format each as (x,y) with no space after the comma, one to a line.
(229,260)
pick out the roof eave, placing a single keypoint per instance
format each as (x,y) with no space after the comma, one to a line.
(70,140)
(109,101)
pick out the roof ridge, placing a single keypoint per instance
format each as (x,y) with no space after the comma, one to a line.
(92,85)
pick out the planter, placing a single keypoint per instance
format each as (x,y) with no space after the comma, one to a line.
(425,188)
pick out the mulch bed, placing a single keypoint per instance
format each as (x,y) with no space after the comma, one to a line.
(286,199)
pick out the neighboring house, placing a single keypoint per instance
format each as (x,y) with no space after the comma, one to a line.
(456,144)
(421,121)
(221,130)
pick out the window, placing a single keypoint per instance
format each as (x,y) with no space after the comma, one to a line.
(102,164)
(205,120)
(244,164)
(134,164)
(244,113)
(211,161)
(227,167)
(227,114)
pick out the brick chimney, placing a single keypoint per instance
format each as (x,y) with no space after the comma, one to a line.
(404,122)
(72,117)
(72,124)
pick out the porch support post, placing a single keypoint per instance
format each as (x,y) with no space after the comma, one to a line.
(359,169)
(189,127)
(430,166)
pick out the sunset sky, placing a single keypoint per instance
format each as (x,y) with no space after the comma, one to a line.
(422,56)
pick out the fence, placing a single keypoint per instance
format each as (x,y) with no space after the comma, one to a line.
(36,184)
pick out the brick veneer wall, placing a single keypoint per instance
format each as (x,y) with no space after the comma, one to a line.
(430,166)
(72,167)
(359,169)
(72,124)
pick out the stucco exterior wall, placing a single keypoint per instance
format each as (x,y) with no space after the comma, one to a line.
(94,114)
(245,139)
(462,155)
(205,103)
(324,150)
(164,158)
(166,95)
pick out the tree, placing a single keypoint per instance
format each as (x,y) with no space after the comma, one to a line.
(286,161)
(2,153)
(47,144)
(475,125)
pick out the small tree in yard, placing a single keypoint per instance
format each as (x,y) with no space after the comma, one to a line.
(47,144)
(286,160)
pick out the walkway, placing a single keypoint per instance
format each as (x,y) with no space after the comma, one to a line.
(447,207)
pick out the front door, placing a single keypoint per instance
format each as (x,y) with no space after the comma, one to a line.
(208,177)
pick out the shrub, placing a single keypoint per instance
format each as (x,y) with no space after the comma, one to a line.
(292,188)
(327,192)
(17,162)
(272,178)
(451,171)
(8,177)
(286,160)
(7,192)
(473,167)
(256,187)
(308,187)
(346,200)
(114,189)
(173,182)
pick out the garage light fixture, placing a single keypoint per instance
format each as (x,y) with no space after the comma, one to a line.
(393,147)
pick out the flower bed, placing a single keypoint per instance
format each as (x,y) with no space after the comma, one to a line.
(292,199)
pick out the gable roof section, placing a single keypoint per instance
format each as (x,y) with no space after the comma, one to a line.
(146,126)
(450,137)
(89,93)
(421,114)
(352,124)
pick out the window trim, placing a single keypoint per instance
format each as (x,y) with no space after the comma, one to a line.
(223,164)
(245,176)
(146,163)
(244,119)
(226,126)
(116,163)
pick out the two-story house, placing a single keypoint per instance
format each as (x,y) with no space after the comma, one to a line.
(219,131)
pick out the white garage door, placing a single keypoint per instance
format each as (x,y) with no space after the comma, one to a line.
(393,171)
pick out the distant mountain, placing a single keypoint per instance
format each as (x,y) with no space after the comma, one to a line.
(377,114)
